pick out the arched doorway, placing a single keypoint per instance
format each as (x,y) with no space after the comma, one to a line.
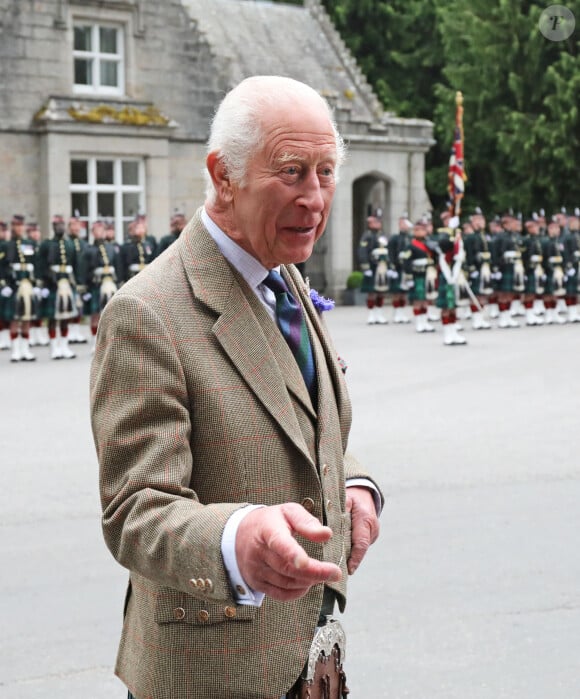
(371,194)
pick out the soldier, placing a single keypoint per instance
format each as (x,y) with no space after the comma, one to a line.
(535,276)
(478,260)
(137,253)
(100,269)
(451,255)
(176,225)
(375,280)
(571,243)
(495,229)
(398,243)
(22,302)
(508,269)
(420,275)
(75,233)
(38,331)
(5,290)
(57,263)
(555,278)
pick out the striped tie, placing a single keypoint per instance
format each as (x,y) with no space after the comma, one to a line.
(292,325)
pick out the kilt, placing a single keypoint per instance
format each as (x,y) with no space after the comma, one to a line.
(506,283)
(417,293)
(445,294)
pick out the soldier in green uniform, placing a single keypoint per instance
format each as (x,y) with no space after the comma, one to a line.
(398,244)
(22,303)
(75,233)
(451,256)
(553,254)
(57,262)
(375,282)
(508,269)
(420,275)
(176,225)
(571,244)
(137,253)
(101,273)
(5,292)
(478,261)
(535,276)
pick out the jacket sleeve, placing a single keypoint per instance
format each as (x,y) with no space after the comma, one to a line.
(153,522)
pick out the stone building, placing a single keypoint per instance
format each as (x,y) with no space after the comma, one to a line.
(105,106)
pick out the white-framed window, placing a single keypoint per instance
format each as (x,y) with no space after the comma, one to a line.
(99,59)
(107,188)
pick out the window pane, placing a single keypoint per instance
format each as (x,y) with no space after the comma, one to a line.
(106,205)
(79,172)
(130,172)
(83,71)
(83,39)
(79,201)
(105,172)
(109,73)
(131,204)
(108,38)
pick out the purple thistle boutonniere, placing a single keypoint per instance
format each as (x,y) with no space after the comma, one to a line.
(321,303)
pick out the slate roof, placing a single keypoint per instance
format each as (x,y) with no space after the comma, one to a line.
(258,37)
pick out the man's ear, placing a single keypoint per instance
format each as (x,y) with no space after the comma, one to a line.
(219,176)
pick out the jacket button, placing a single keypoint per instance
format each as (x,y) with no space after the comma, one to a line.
(308,504)
(203,616)
(230,612)
(179,613)
(208,585)
(193,582)
(200,584)
(329,505)
(325,469)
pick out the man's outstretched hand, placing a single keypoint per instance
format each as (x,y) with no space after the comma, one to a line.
(272,561)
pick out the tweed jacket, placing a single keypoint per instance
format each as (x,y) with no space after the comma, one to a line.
(198,408)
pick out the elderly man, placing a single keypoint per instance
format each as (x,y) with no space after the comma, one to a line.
(221,421)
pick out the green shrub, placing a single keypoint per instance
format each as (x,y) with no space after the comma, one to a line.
(354,280)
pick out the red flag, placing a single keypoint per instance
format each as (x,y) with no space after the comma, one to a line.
(456,174)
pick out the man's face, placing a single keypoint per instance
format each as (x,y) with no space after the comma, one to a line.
(139,231)
(282,207)
(98,231)
(404,225)
(419,230)
(554,230)
(532,228)
(74,228)
(17,229)
(177,224)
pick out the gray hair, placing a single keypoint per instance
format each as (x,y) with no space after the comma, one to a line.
(237,132)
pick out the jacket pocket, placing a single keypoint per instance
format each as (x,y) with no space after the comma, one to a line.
(174,607)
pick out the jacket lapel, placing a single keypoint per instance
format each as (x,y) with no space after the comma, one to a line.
(244,330)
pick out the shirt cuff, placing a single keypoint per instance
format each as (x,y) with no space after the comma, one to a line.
(243,593)
(365,483)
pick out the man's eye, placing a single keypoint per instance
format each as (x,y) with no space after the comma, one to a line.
(327,172)
(291,170)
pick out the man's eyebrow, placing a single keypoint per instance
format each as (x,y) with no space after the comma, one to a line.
(289,157)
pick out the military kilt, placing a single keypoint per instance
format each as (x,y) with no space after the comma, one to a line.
(445,294)
(418,291)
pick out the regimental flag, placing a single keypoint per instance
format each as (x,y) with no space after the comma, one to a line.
(456,175)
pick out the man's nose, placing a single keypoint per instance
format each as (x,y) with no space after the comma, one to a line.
(311,195)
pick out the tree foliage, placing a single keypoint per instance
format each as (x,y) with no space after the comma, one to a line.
(521,120)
